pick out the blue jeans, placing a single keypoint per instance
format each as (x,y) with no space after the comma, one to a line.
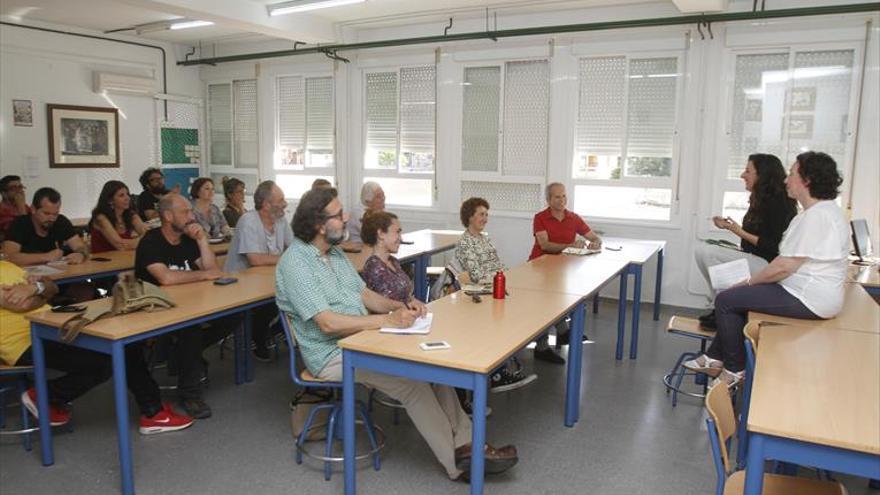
(732,308)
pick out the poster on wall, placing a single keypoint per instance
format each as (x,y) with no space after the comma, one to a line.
(22,113)
(81,137)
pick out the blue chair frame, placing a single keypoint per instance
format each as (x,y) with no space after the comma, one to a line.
(19,385)
(334,425)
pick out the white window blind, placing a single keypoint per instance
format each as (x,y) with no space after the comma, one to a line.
(381,120)
(245,123)
(417,106)
(291,121)
(320,122)
(526,115)
(601,110)
(651,116)
(481,107)
(220,123)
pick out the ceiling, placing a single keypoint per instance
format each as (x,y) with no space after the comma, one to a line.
(248,20)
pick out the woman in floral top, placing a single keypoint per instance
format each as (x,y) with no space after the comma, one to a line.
(205,211)
(382,272)
(478,256)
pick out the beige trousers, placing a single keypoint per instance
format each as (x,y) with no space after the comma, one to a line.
(434,409)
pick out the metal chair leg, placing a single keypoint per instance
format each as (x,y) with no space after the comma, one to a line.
(368,424)
(331,434)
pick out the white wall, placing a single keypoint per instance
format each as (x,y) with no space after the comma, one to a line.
(54,68)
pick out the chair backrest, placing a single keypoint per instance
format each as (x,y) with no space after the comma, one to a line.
(752,332)
(291,344)
(720,409)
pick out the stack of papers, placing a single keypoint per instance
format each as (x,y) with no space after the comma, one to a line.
(725,275)
(581,251)
(421,326)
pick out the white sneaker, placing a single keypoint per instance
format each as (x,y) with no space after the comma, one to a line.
(730,378)
(704,364)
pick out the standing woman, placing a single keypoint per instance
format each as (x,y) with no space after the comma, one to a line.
(114,224)
(233,190)
(770,211)
(804,281)
(206,212)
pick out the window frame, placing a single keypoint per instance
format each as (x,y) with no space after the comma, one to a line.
(395,173)
(671,183)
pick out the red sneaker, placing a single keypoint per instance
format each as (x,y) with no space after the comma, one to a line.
(164,420)
(58,416)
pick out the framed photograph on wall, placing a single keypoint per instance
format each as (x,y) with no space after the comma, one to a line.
(800,127)
(81,137)
(22,113)
(803,99)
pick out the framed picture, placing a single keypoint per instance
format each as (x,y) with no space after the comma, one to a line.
(803,99)
(22,113)
(800,127)
(753,111)
(82,137)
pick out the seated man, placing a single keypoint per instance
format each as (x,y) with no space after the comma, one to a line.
(372,199)
(153,182)
(84,368)
(260,238)
(179,253)
(13,203)
(327,300)
(555,229)
(44,235)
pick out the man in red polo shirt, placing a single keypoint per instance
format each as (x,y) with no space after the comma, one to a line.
(555,229)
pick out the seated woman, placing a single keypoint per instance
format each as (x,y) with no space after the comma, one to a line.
(233,190)
(114,224)
(206,212)
(804,281)
(476,254)
(382,272)
(770,211)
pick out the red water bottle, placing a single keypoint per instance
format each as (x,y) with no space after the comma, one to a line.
(499,284)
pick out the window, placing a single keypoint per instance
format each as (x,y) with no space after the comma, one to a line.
(400,127)
(785,102)
(625,151)
(232,131)
(505,119)
(305,133)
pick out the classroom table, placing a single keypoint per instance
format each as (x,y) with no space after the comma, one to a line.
(581,276)
(118,261)
(636,252)
(424,244)
(482,336)
(867,276)
(197,303)
(860,312)
(815,401)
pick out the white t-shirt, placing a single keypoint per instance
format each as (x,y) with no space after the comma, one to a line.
(821,235)
(251,237)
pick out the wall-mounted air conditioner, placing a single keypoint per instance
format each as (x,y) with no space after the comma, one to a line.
(697,6)
(120,84)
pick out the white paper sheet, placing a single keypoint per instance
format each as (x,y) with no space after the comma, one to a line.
(421,326)
(725,275)
(581,251)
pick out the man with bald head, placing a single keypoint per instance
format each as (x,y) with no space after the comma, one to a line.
(179,253)
(261,236)
(372,200)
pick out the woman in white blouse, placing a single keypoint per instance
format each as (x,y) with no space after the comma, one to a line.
(804,281)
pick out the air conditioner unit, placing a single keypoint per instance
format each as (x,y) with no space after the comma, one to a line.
(698,6)
(129,85)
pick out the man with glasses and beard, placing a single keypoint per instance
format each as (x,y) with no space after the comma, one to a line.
(153,182)
(179,253)
(44,235)
(261,235)
(320,290)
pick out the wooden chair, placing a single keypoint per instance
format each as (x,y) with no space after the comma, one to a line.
(686,327)
(305,379)
(721,427)
(14,379)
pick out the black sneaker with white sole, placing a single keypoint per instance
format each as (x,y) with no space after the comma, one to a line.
(505,379)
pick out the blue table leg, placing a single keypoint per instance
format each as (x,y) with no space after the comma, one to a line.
(248,357)
(755,466)
(120,396)
(478,438)
(637,306)
(240,350)
(421,277)
(575,362)
(348,422)
(39,355)
(658,284)
(621,316)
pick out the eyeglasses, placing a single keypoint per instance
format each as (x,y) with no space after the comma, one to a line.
(330,217)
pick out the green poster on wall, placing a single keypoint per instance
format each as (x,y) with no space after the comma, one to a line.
(180,146)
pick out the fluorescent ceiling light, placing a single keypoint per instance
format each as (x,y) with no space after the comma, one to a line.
(697,6)
(174,24)
(306,5)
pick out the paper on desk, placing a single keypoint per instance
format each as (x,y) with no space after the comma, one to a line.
(42,270)
(421,326)
(477,288)
(581,251)
(725,275)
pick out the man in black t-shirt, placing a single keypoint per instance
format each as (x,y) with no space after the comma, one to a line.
(44,235)
(179,253)
(153,182)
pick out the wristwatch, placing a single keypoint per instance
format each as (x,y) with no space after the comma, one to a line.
(41,288)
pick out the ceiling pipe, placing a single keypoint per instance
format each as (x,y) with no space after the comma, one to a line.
(565,28)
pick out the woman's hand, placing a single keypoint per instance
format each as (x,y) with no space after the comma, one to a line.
(418,306)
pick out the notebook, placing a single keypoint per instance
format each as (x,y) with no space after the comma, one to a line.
(581,251)
(725,275)
(421,326)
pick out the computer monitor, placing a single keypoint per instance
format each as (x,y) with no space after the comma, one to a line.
(861,238)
